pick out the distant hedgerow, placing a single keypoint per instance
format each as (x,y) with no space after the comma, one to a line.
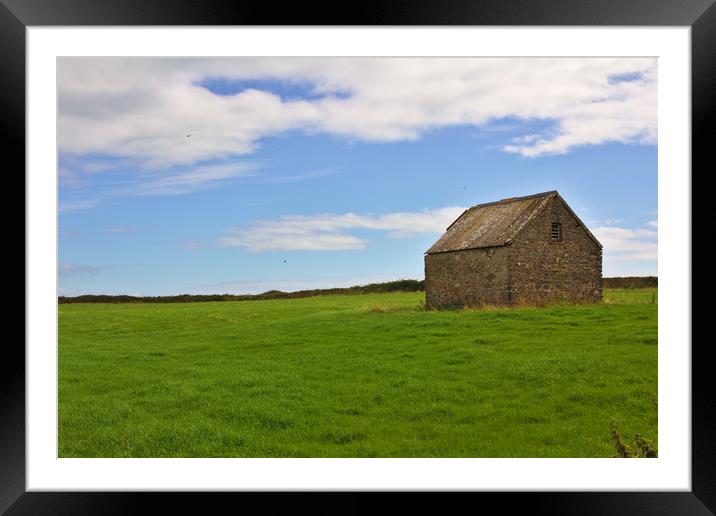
(406,285)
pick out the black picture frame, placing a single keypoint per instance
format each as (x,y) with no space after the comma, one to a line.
(17,15)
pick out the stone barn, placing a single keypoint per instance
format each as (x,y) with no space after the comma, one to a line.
(522,250)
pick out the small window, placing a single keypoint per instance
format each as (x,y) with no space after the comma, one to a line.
(556,232)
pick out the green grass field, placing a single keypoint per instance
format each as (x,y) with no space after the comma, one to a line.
(356,376)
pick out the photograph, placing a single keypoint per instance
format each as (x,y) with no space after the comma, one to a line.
(357,257)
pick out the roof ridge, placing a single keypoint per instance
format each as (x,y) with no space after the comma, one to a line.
(514,199)
(502,201)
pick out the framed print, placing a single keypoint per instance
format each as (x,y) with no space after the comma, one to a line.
(420,253)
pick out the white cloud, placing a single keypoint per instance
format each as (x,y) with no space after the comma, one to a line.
(79,291)
(303,176)
(123,229)
(70,178)
(330,232)
(74,269)
(80,204)
(612,222)
(173,181)
(144,109)
(274,239)
(622,244)
(192,179)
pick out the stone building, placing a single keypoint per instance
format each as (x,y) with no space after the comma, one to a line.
(522,250)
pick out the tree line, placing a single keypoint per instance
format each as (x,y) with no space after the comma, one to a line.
(372,288)
(406,285)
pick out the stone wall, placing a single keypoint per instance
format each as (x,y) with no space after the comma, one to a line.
(467,278)
(544,270)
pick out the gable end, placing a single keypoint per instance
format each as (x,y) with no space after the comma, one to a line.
(579,221)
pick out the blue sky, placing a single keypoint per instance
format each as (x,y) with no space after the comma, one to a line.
(244,175)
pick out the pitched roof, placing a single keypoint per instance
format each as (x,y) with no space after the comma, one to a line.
(495,224)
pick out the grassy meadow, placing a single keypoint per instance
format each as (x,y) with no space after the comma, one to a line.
(356,376)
